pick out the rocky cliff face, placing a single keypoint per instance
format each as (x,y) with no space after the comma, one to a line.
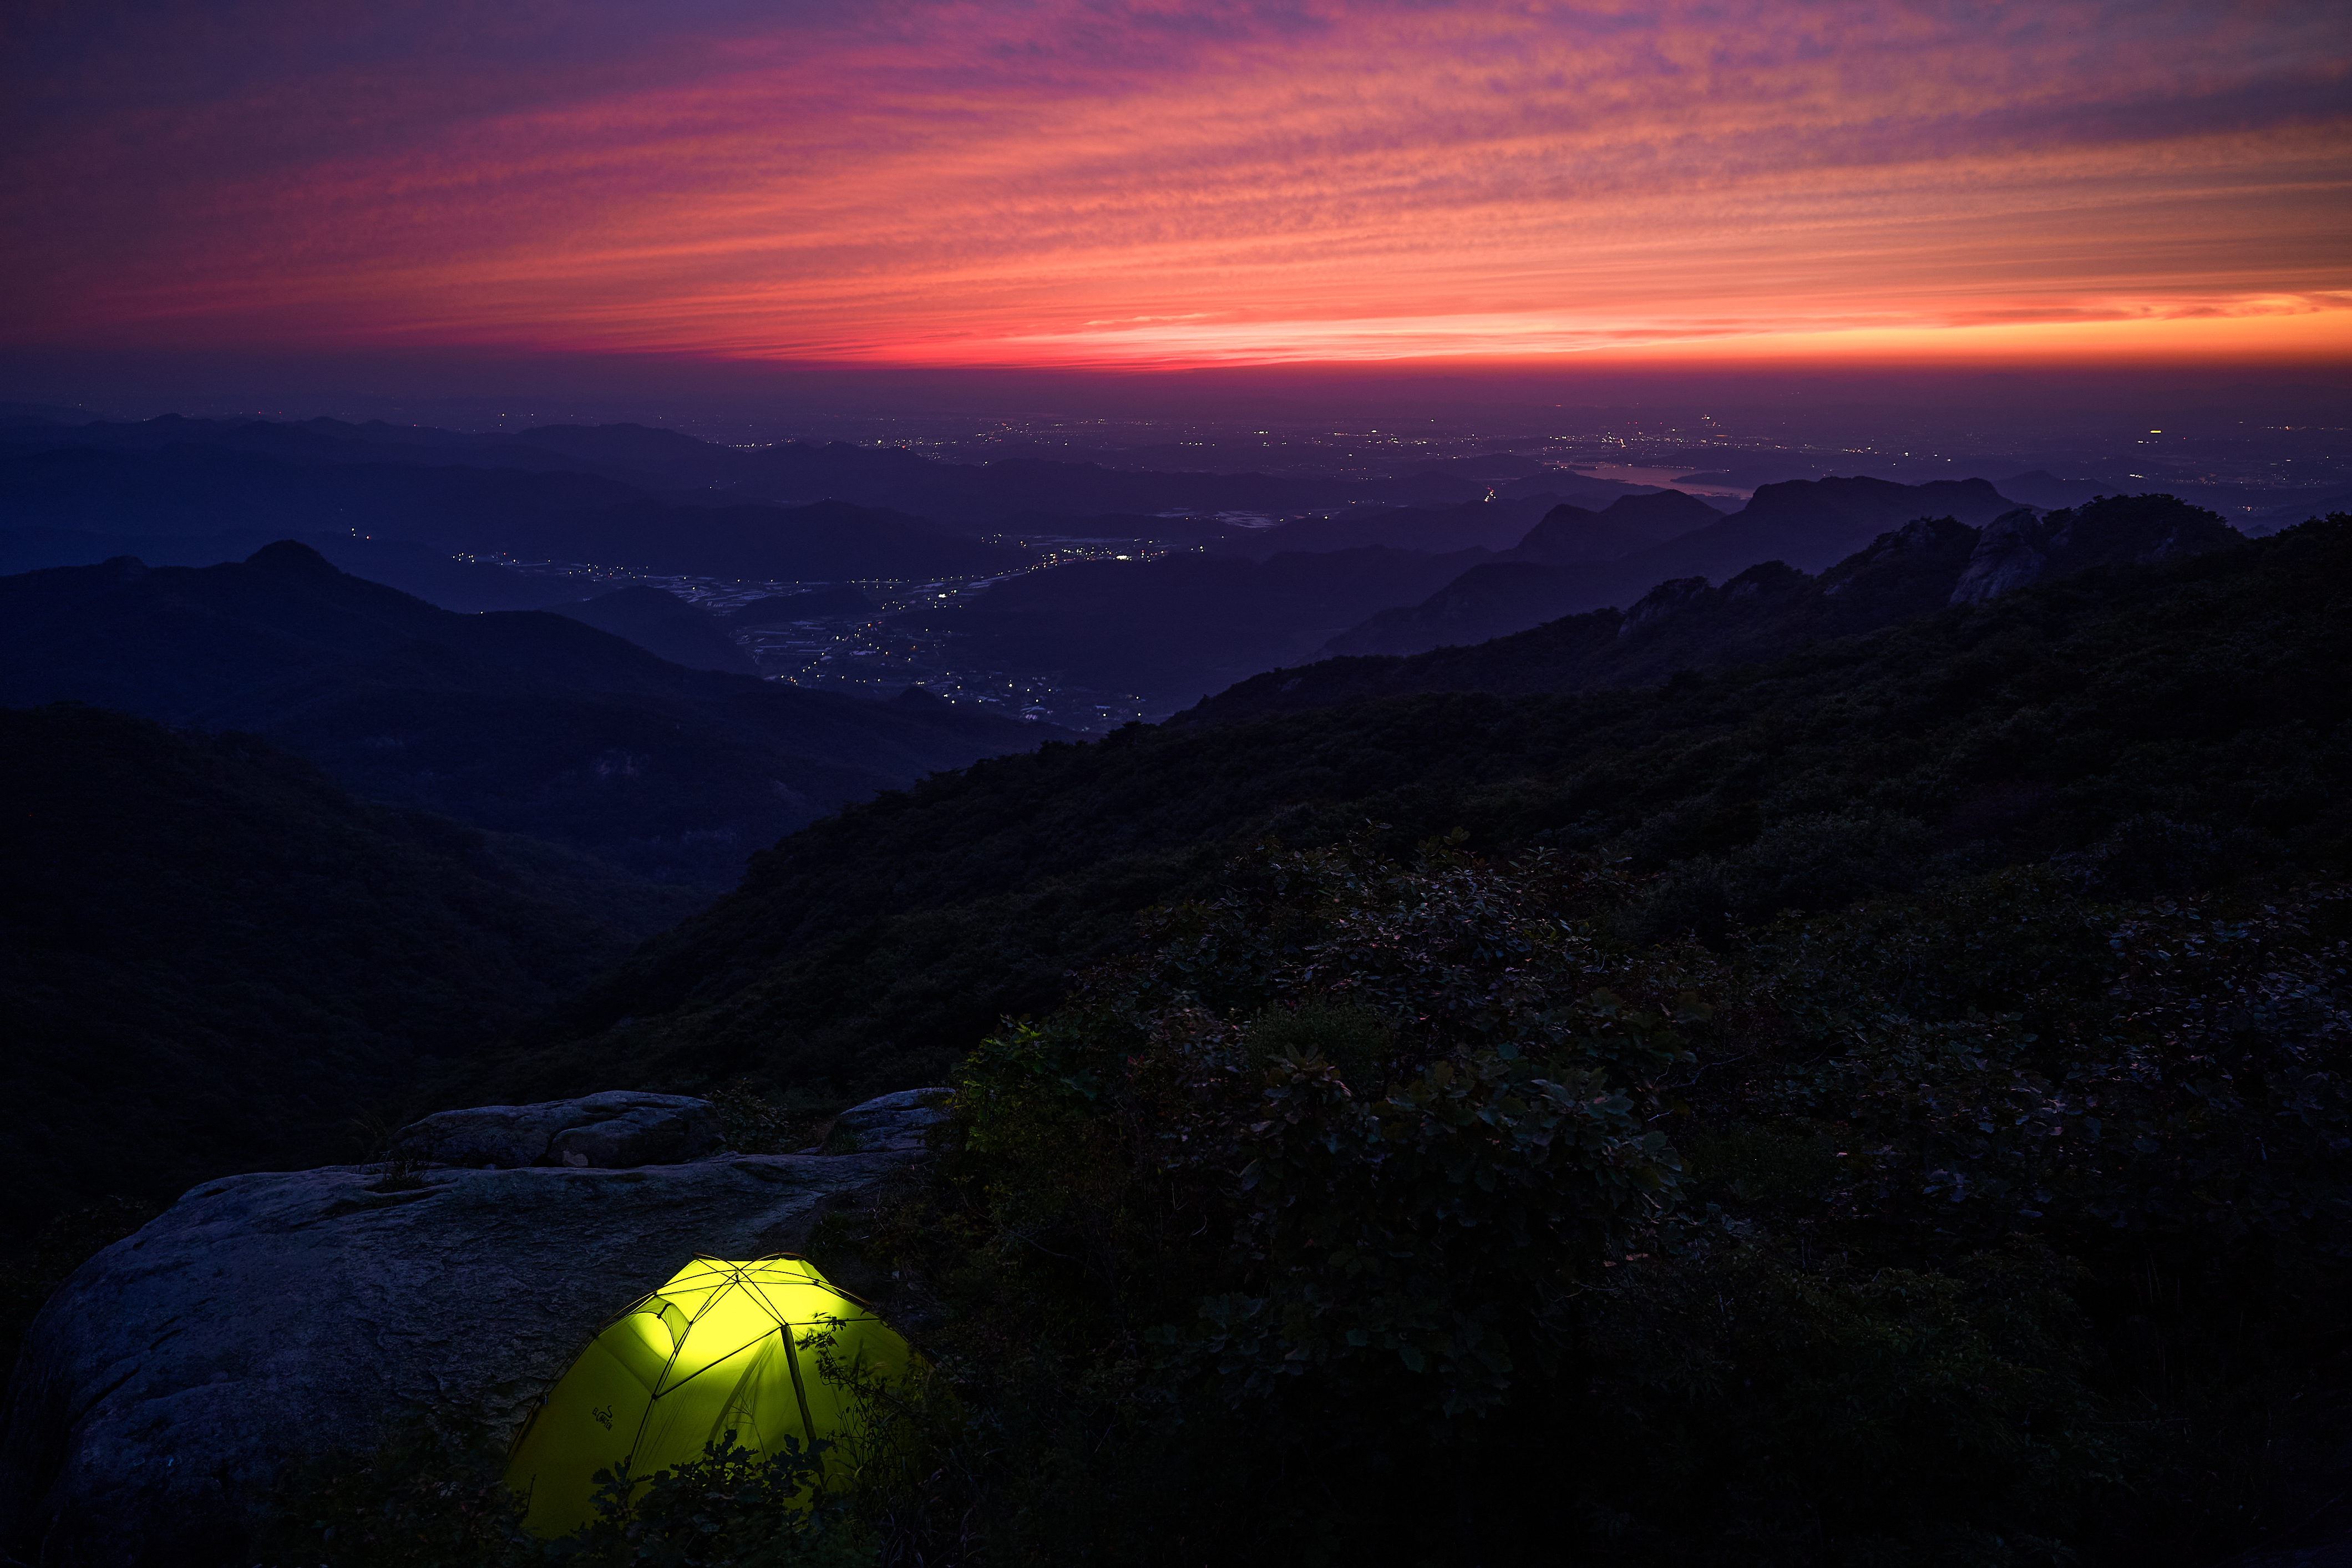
(163,1388)
(2018,547)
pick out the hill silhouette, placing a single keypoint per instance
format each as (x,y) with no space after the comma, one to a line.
(184,488)
(521,722)
(1762,612)
(213,957)
(432,575)
(1179,627)
(2109,713)
(1809,524)
(664,625)
(1568,535)
(174,475)
(784,609)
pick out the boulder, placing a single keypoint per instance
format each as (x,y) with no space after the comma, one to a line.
(613,1130)
(1662,602)
(2018,547)
(164,1385)
(2010,553)
(897,1123)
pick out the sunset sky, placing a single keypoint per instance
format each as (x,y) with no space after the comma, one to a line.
(1066,185)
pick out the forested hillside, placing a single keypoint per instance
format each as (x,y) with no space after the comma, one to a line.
(522,721)
(1880,1102)
(1808,524)
(2169,725)
(1767,610)
(214,959)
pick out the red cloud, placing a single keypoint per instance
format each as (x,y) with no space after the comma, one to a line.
(1088,185)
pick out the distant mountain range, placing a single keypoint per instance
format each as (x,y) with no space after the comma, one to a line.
(1569,535)
(485,492)
(1761,613)
(520,722)
(558,516)
(1461,551)
(2140,715)
(1806,523)
(1186,624)
(430,574)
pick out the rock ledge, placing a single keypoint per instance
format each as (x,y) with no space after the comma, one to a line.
(163,1386)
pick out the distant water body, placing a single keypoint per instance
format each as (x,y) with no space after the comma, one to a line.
(1666,478)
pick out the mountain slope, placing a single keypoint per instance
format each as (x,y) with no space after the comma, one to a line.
(522,721)
(664,625)
(1568,535)
(435,576)
(1184,625)
(212,957)
(2115,716)
(1762,612)
(1808,524)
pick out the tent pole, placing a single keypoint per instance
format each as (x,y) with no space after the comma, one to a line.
(800,1392)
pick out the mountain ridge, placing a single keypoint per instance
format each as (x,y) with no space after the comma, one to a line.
(1809,524)
(882,942)
(520,721)
(1683,624)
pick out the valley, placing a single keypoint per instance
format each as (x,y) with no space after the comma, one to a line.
(1222,785)
(1384,821)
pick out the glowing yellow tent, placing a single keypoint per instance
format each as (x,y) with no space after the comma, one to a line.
(723,1347)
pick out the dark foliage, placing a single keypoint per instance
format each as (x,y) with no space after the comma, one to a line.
(1996,1226)
(2168,725)
(213,959)
(430,1496)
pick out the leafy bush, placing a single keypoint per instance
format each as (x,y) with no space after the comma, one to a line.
(432,1496)
(1492,1139)
(1356,1177)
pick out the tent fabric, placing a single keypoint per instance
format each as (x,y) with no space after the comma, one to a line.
(741,1347)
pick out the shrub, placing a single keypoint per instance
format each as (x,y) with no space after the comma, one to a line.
(432,1495)
(1354,1182)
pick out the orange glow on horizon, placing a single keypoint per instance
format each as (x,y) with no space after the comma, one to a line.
(1069,186)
